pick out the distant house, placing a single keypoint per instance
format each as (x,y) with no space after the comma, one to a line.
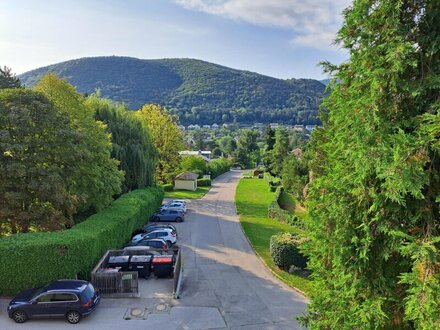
(310,127)
(273,125)
(206,155)
(181,127)
(193,127)
(214,126)
(225,125)
(298,128)
(207,126)
(186,181)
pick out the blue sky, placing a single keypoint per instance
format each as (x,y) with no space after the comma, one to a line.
(280,38)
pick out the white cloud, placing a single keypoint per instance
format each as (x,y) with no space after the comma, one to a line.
(314,23)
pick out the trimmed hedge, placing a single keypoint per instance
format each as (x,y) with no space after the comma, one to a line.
(285,250)
(204,182)
(168,187)
(219,166)
(276,212)
(33,259)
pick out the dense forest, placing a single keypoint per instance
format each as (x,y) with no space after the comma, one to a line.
(196,91)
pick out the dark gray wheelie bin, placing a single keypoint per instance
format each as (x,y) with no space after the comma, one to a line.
(141,264)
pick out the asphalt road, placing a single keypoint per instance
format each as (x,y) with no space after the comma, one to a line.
(226,286)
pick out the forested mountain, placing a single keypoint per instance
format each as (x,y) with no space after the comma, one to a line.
(197,91)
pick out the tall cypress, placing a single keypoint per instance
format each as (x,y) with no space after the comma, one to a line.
(374,203)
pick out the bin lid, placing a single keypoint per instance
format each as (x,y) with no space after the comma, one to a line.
(119,259)
(140,258)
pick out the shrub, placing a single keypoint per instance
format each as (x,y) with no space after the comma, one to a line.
(218,166)
(73,253)
(272,188)
(276,212)
(203,182)
(168,187)
(285,250)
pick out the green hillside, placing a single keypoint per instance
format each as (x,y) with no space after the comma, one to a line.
(196,91)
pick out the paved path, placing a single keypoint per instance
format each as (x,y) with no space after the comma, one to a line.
(226,286)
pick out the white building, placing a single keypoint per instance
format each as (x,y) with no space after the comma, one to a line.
(206,155)
(186,181)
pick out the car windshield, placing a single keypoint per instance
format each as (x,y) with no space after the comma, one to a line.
(89,292)
(37,292)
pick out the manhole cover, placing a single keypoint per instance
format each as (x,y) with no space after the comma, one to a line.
(161,308)
(136,314)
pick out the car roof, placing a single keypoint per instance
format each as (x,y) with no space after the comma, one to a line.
(66,285)
(161,230)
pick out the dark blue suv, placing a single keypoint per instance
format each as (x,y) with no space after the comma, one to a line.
(72,299)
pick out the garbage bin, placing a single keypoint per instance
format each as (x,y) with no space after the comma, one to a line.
(120,262)
(163,265)
(141,264)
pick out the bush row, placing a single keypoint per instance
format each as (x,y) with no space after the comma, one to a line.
(203,182)
(32,259)
(276,212)
(285,250)
(218,166)
(168,187)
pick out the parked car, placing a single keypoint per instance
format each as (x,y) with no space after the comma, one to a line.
(156,243)
(174,206)
(150,228)
(167,234)
(168,215)
(72,299)
(181,201)
(143,249)
(154,225)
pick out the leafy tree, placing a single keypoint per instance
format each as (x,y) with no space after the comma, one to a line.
(374,205)
(295,175)
(131,143)
(8,79)
(193,164)
(247,148)
(216,152)
(96,177)
(37,160)
(280,151)
(269,138)
(167,139)
(228,144)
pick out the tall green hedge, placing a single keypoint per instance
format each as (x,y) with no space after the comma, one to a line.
(32,259)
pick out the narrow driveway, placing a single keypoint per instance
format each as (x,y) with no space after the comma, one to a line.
(226,286)
(222,270)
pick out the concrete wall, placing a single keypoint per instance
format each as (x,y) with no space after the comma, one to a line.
(185,185)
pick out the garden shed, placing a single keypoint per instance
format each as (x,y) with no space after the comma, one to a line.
(186,181)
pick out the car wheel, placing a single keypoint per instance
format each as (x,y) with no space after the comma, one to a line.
(179,219)
(73,317)
(156,219)
(19,316)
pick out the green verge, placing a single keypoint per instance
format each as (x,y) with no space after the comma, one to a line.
(187,194)
(253,199)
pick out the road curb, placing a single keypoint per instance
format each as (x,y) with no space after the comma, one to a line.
(267,266)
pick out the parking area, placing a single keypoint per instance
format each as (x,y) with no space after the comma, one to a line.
(225,286)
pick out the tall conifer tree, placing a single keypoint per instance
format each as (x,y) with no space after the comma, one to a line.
(375,228)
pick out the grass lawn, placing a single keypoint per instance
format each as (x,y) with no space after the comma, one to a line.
(252,199)
(187,194)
